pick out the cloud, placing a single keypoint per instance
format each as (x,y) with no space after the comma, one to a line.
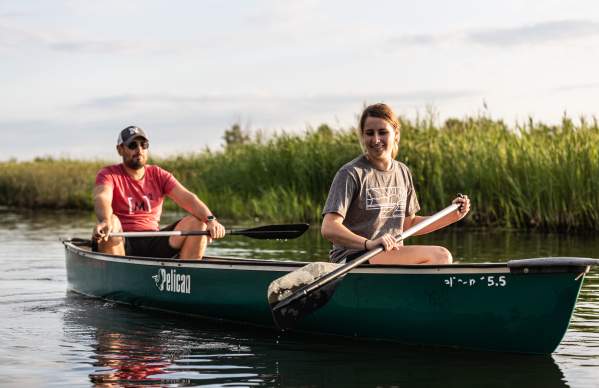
(13,15)
(575,87)
(422,39)
(95,46)
(535,34)
(539,33)
(117,46)
(179,123)
(16,37)
(280,14)
(127,100)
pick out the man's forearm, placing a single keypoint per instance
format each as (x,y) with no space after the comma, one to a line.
(103,203)
(103,213)
(193,205)
(200,210)
(102,208)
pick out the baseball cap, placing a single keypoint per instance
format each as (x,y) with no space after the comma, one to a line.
(128,134)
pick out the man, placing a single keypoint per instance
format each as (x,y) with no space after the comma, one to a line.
(128,197)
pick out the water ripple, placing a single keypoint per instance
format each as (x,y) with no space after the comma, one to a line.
(53,338)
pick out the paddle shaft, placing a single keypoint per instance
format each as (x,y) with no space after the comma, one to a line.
(368,255)
(283,232)
(163,233)
(167,233)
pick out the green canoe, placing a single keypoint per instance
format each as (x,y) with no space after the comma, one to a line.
(519,306)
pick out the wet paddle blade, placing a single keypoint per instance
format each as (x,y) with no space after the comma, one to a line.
(286,315)
(270,232)
(289,298)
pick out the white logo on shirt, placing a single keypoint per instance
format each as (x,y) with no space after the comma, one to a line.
(141,207)
(391,201)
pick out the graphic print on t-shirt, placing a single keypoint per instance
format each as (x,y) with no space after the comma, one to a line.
(142,206)
(391,201)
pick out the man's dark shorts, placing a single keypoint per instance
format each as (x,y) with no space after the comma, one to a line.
(148,246)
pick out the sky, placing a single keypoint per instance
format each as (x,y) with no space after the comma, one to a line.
(73,73)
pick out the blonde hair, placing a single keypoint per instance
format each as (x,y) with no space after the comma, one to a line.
(380,111)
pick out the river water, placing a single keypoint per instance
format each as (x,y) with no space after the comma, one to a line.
(50,337)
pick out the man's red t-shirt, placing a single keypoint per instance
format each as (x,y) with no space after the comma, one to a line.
(138,204)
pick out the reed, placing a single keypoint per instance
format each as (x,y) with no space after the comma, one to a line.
(530,175)
(48,183)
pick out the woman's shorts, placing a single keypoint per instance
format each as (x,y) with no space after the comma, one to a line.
(351,257)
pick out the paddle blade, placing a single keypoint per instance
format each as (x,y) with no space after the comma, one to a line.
(286,316)
(287,297)
(279,232)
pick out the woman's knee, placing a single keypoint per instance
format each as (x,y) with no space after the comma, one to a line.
(441,255)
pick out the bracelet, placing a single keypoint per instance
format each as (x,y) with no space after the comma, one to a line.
(365,241)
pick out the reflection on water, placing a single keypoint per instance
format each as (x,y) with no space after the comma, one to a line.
(51,338)
(129,348)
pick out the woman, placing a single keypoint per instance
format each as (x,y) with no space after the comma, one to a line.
(372,200)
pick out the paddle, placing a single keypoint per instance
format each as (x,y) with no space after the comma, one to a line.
(267,232)
(305,290)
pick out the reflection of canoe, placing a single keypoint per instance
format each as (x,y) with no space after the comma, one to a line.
(129,347)
(519,306)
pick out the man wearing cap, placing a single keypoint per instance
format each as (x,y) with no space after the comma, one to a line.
(128,197)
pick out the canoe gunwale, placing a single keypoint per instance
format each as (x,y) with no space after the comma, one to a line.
(521,266)
(553,262)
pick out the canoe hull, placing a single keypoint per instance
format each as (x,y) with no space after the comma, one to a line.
(484,307)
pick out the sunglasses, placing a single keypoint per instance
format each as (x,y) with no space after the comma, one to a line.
(134,144)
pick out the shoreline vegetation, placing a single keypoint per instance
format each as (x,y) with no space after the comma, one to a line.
(528,175)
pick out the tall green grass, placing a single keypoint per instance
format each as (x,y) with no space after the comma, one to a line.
(532,175)
(48,183)
(529,175)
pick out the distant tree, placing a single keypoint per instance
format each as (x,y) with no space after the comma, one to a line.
(235,136)
(325,131)
(453,124)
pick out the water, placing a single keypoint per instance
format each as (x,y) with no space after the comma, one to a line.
(50,337)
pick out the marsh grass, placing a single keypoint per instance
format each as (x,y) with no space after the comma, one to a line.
(47,183)
(530,175)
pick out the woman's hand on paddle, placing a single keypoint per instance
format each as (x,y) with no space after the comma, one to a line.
(464,203)
(386,240)
(216,230)
(102,231)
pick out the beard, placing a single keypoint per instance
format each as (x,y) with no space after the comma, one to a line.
(134,163)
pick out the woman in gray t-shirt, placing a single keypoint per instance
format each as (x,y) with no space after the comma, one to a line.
(372,200)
